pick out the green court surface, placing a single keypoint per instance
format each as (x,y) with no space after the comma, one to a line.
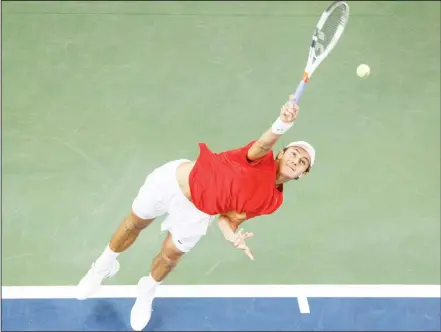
(96,95)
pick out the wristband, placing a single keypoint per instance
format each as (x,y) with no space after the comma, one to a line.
(279,127)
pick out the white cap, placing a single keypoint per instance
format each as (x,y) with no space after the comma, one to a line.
(305,146)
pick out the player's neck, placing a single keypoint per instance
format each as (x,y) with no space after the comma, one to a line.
(280,179)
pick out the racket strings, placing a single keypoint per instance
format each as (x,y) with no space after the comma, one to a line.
(328,32)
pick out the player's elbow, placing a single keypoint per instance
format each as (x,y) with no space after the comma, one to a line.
(264,145)
(234,226)
(259,149)
(236,222)
(233,219)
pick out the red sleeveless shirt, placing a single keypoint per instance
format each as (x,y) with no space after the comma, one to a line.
(228,181)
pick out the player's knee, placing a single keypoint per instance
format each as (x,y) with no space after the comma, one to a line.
(133,222)
(170,259)
(170,254)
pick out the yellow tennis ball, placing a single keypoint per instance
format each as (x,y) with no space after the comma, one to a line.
(363,71)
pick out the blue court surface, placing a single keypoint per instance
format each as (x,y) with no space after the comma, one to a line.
(228,308)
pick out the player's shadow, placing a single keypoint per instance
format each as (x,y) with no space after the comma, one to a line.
(163,316)
(114,315)
(104,316)
(156,322)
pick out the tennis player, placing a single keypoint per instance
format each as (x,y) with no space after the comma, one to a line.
(235,185)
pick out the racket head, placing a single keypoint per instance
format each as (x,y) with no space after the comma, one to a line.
(327,33)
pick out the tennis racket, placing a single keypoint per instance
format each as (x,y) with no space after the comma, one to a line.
(327,33)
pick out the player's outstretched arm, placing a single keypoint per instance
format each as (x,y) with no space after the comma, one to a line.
(228,228)
(284,122)
(228,224)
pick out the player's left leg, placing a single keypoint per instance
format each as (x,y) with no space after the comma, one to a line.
(173,249)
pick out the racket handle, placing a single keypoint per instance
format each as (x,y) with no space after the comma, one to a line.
(299,92)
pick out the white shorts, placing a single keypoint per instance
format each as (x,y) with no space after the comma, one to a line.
(161,194)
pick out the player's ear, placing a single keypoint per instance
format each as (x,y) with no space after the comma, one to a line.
(280,154)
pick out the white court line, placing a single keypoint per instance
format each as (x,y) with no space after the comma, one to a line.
(241,291)
(303,305)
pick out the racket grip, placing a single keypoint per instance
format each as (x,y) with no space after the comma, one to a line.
(299,92)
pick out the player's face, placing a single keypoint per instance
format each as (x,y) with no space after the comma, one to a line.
(293,163)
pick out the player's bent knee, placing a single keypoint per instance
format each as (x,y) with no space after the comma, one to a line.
(169,246)
(170,260)
(133,222)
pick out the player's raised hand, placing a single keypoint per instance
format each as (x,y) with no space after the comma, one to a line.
(240,243)
(289,111)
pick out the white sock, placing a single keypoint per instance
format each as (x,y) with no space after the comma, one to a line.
(106,259)
(148,284)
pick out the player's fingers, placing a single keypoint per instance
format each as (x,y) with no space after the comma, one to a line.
(248,235)
(239,234)
(289,115)
(248,253)
(242,246)
(294,114)
(238,242)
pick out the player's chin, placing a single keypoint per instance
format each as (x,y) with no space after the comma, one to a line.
(290,174)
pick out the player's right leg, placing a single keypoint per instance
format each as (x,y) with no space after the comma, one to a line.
(162,265)
(186,226)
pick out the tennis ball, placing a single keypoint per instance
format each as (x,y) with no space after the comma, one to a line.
(363,71)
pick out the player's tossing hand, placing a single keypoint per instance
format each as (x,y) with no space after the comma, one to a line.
(240,242)
(289,111)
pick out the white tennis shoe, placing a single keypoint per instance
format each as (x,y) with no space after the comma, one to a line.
(142,309)
(91,282)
